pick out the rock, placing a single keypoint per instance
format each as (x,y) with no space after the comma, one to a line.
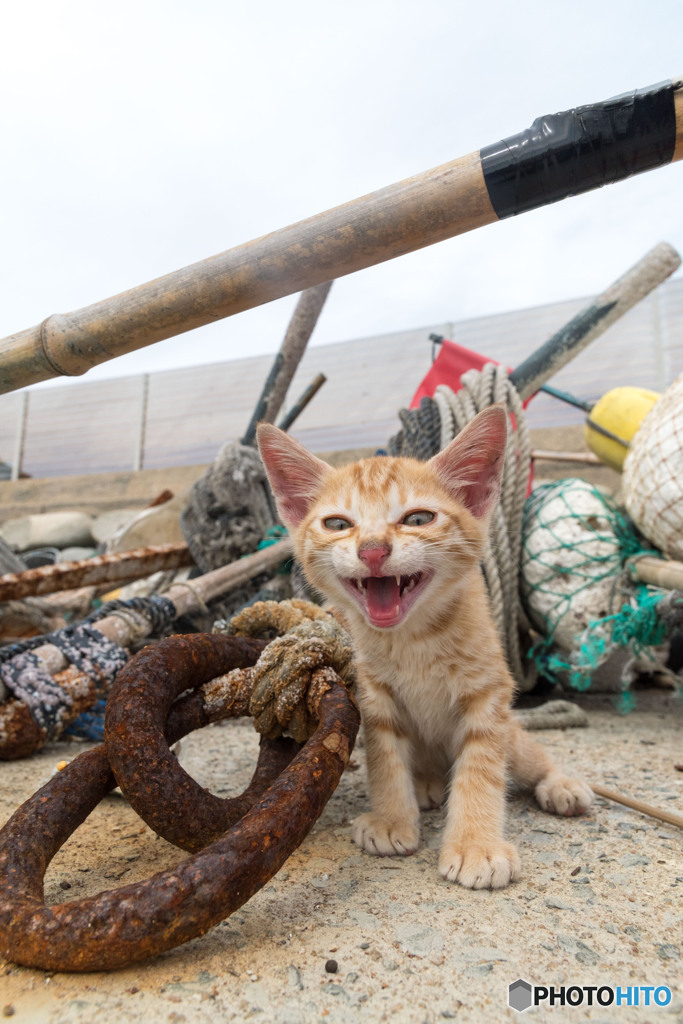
(667,951)
(419,939)
(48,529)
(556,904)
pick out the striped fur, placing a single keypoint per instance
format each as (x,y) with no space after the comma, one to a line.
(434,687)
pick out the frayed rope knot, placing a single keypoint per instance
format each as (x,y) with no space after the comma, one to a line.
(311,652)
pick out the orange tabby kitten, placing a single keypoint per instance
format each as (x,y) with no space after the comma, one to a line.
(396,544)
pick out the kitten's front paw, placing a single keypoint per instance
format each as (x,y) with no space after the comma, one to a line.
(385,838)
(558,794)
(489,866)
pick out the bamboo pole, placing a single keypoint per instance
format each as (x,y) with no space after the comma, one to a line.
(456,197)
(419,211)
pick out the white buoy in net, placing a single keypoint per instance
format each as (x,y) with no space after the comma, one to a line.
(653,473)
(571,558)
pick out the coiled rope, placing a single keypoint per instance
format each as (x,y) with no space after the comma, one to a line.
(420,438)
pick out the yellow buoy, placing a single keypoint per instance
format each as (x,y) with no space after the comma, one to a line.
(621,411)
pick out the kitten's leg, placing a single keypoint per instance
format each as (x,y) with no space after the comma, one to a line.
(532,767)
(474,852)
(391,828)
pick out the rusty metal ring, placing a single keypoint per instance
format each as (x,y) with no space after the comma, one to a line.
(123,926)
(162,792)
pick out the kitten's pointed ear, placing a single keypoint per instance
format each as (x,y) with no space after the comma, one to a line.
(295,475)
(471,466)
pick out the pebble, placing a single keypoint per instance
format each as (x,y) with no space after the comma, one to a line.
(64,885)
(8,1010)
(557,904)
(294,976)
(667,951)
(331,966)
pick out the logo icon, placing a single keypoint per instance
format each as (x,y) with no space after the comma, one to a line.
(519,995)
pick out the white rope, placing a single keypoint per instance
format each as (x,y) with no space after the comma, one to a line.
(503,549)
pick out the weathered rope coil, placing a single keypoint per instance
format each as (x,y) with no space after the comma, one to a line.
(43,704)
(421,439)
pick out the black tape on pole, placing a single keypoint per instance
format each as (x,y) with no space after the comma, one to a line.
(565,154)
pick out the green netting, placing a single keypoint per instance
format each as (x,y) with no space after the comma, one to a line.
(576,541)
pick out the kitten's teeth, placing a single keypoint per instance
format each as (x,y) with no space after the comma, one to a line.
(398,581)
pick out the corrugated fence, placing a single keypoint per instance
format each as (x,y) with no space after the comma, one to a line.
(182,417)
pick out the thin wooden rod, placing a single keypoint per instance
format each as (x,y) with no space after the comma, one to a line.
(638,805)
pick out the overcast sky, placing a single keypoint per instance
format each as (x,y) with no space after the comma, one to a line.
(143,135)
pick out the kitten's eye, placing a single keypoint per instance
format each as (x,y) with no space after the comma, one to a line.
(337,523)
(419,518)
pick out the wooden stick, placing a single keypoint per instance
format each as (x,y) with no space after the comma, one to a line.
(301,327)
(449,200)
(301,403)
(546,455)
(594,319)
(658,572)
(212,584)
(638,805)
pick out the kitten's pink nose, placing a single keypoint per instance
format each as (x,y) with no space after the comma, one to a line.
(374,556)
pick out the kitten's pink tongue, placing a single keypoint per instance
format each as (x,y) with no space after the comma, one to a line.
(383,596)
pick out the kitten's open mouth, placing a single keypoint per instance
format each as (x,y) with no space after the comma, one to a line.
(385,600)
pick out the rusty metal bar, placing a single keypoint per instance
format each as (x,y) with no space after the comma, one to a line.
(113,568)
(456,197)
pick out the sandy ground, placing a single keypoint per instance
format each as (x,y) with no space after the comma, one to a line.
(600,902)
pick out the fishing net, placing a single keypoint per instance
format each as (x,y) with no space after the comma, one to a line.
(579,594)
